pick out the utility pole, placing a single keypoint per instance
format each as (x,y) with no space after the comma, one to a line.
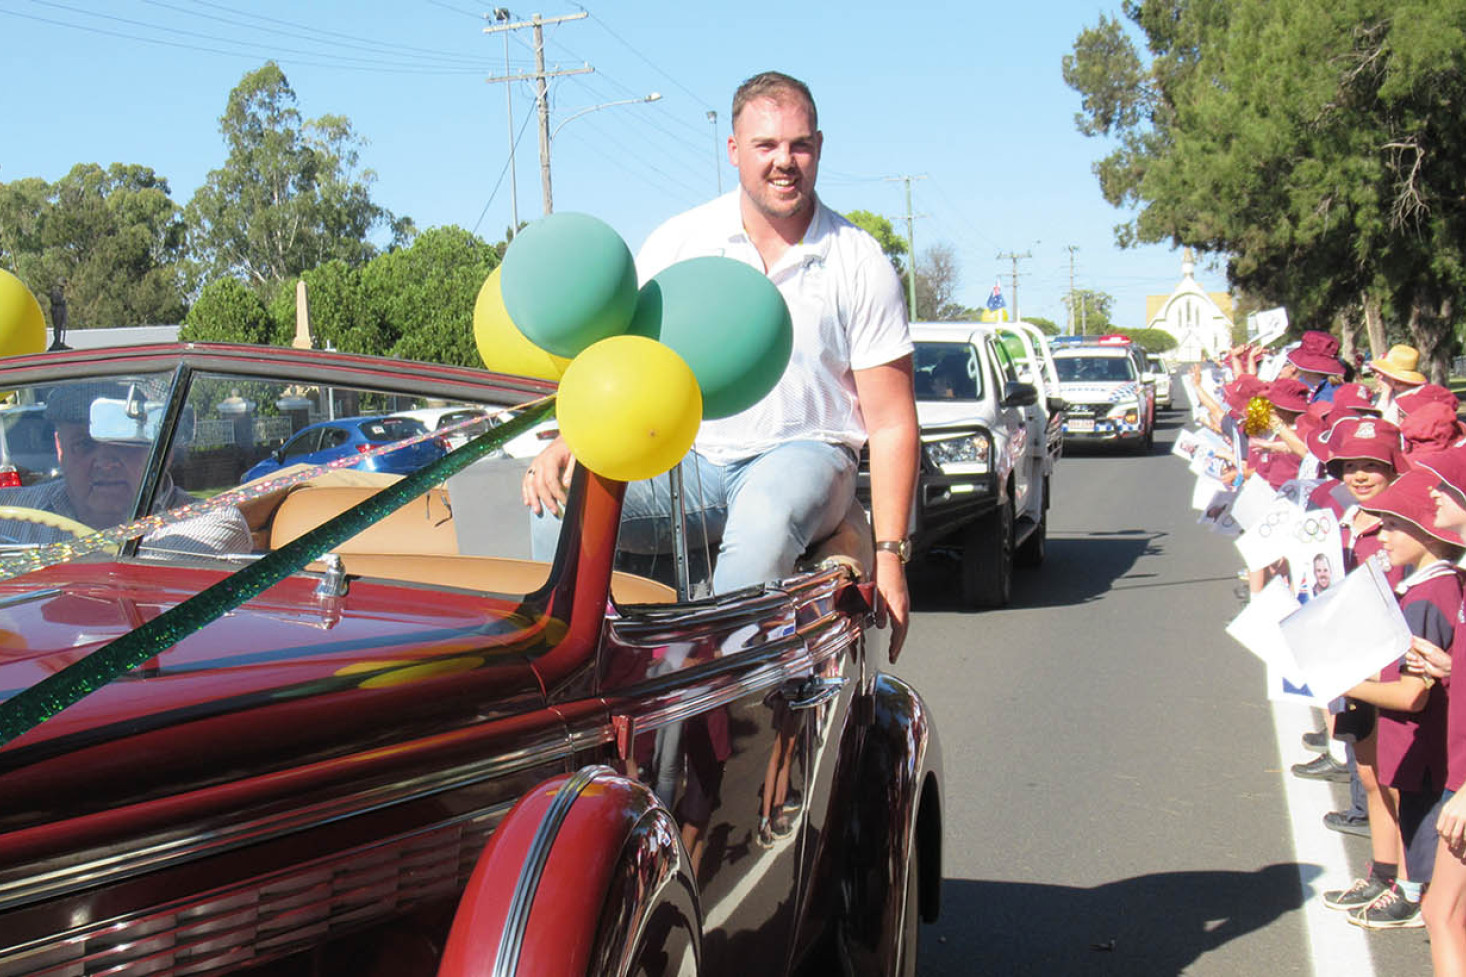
(717,156)
(501,14)
(1069,326)
(540,76)
(1015,257)
(910,243)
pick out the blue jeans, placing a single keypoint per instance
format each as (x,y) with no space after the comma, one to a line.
(763,512)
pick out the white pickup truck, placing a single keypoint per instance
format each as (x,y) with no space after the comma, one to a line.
(991,432)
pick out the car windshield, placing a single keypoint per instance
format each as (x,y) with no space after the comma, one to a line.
(1094,369)
(947,371)
(210,464)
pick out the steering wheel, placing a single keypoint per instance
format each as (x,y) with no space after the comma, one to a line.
(20,513)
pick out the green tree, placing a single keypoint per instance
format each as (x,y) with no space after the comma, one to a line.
(1153,340)
(1317,144)
(290,195)
(228,312)
(885,234)
(110,239)
(1046,326)
(423,295)
(1092,312)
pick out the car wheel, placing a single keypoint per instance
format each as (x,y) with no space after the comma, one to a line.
(987,560)
(1033,550)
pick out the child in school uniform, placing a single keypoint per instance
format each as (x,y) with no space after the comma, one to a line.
(1444,907)
(1409,745)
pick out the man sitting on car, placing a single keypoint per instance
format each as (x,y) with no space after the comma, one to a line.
(104,436)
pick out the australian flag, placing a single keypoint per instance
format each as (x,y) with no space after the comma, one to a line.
(995,300)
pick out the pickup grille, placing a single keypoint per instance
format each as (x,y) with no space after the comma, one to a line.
(269,916)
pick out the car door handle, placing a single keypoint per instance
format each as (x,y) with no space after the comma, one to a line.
(815,692)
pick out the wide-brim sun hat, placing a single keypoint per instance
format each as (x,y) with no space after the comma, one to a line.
(1427,393)
(1353,397)
(1238,392)
(1431,427)
(1449,466)
(1408,498)
(1287,393)
(1317,352)
(1400,364)
(1365,439)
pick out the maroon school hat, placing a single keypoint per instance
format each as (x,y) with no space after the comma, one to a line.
(1318,352)
(1408,498)
(1430,428)
(1289,394)
(1429,393)
(1239,391)
(1353,398)
(1365,438)
(1449,466)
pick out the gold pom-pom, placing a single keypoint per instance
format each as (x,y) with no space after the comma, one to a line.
(1258,418)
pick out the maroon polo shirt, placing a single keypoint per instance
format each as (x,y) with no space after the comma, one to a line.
(1412,745)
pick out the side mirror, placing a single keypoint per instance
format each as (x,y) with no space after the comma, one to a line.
(1055,404)
(1017,394)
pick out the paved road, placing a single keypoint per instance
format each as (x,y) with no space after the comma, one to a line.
(1115,802)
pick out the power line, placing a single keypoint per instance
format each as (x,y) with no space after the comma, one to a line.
(389,67)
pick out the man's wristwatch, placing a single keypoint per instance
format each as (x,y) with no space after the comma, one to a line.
(901,547)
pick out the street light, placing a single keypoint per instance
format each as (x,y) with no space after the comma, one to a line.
(545,175)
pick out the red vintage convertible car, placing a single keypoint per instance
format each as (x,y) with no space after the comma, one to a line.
(337,722)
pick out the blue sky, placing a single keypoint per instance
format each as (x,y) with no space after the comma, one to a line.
(967,96)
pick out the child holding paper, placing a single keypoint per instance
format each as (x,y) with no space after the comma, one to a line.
(1409,745)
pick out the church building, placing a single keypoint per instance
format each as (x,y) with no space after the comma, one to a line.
(1200,320)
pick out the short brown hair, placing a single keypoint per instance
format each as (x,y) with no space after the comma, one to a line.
(779,87)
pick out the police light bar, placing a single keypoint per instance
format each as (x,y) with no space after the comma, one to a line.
(1115,339)
(1065,340)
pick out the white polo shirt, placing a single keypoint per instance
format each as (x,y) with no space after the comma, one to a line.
(848,312)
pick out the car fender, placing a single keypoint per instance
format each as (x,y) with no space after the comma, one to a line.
(894,819)
(585,875)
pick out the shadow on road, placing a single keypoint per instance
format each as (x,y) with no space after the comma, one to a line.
(1078,568)
(1148,926)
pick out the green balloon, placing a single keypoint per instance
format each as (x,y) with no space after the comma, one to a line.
(568,281)
(727,320)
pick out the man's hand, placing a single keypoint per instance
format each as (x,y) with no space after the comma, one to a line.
(895,599)
(547,482)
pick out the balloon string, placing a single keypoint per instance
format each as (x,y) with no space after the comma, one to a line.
(33,706)
(52,554)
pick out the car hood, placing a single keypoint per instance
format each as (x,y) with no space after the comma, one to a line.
(1099,393)
(953,413)
(285,679)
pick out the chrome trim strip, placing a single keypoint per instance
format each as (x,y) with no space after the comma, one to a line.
(15,599)
(212,839)
(511,939)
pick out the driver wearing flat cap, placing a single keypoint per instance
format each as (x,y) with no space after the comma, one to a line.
(104,437)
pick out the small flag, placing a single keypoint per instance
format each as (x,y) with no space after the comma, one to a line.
(995,300)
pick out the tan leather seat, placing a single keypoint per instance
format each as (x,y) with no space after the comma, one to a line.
(423,527)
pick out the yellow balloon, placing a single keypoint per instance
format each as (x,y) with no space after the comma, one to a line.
(629,407)
(501,345)
(22,325)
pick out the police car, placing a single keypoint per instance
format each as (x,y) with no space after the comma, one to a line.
(1107,395)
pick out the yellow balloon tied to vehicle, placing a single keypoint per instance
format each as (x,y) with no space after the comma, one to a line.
(629,408)
(501,345)
(22,325)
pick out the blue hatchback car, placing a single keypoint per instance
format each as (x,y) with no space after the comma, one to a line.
(326,441)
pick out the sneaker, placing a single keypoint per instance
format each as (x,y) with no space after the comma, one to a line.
(1322,767)
(1357,896)
(1317,741)
(1346,824)
(1390,911)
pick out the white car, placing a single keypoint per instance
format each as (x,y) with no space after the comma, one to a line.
(1157,373)
(439,418)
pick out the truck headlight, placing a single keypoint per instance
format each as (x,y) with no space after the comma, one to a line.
(969,454)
